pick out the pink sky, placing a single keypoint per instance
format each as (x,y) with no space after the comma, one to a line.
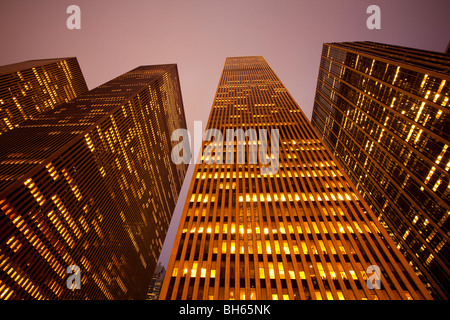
(198,35)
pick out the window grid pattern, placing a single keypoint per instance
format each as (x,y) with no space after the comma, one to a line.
(383,110)
(91,184)
(31,87)
(302,233)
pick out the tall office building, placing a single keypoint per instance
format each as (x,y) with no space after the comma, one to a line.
(384,112)
(299,230)
(31,87)
(90,186)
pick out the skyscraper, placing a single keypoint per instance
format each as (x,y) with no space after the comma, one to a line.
(383,110)
(31,87)
(90,186)
(298,230)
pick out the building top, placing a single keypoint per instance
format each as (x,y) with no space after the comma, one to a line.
(434,61)
(51,132)
(14,67)
(32,87)
(240,58)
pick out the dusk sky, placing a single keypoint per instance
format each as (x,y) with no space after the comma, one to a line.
(197,35)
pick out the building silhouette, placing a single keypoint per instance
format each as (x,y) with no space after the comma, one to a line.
(383,110)
(157,280)
(91,184)
(31,87)
(298,230)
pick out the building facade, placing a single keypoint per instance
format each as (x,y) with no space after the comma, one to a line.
(383,110)
(87,191)
(298,230)
(31,87)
